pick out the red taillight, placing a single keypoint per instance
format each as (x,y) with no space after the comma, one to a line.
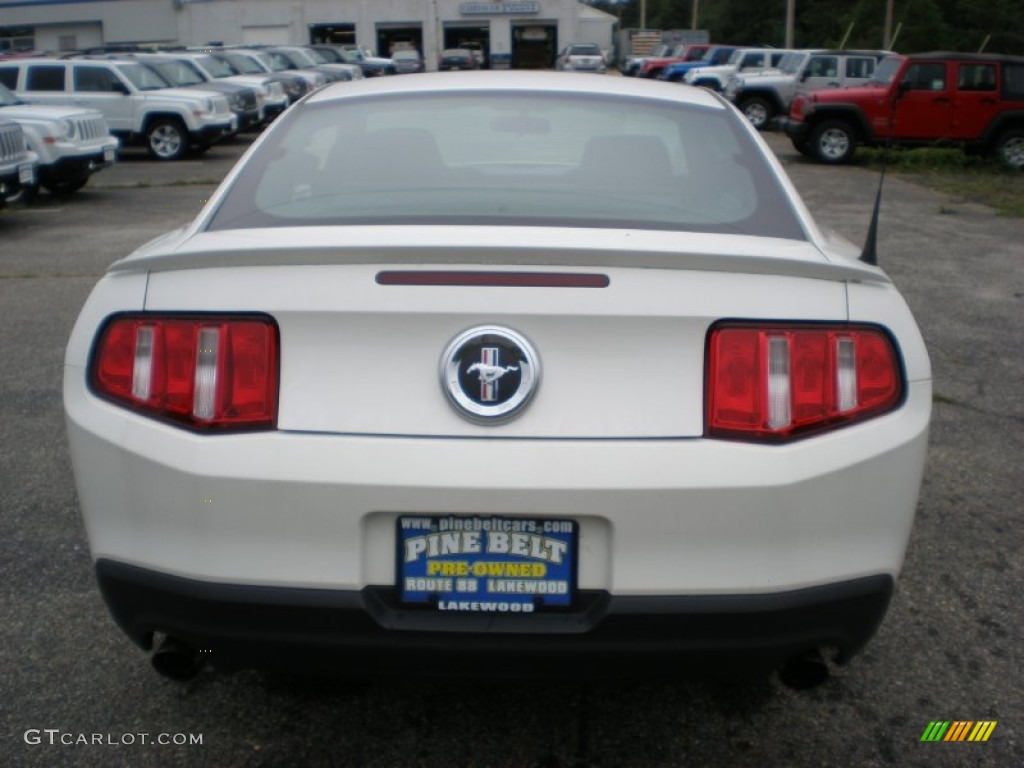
(778,382)
(206,372)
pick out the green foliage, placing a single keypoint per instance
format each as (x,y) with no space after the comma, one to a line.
(924,25)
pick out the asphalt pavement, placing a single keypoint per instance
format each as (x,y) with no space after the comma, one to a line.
(949,648)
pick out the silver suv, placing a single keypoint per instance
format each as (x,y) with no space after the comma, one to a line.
(763,96)
(135,101)
(742,60)
(72,143)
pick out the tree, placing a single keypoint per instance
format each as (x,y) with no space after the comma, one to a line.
(958,25)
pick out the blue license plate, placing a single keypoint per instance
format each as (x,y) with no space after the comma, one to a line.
(478,564)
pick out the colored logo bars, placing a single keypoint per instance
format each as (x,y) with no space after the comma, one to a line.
(958,730)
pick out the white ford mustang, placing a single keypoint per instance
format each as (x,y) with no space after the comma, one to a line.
(551,367)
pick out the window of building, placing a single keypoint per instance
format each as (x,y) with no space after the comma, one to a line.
(17,39)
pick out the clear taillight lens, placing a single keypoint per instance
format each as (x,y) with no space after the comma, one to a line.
(205,372)
(778,382)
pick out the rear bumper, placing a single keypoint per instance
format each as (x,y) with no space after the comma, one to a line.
(656,517)
(367,631)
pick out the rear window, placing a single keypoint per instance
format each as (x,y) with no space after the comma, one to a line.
(9,77)
(510,159)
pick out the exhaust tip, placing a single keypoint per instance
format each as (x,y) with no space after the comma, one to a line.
(803,672)
(176,660)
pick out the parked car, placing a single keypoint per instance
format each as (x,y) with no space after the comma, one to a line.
(251,63)
(407,61)
(136,102)
(971,100)
(373,66)
(477,49)
(297,60)
(18,165)
(759,95)
(747,60)
(283,65)
(456,58)
(581,58)
(314,59)
(630,67)
(463,368)
(271,89)
(653,67)
(713,57)
(182,73)
(762,97)
(70,143)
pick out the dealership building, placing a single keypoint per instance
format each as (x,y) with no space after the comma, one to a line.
(515,33)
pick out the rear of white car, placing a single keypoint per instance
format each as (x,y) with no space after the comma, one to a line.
(582,58)
(316,427)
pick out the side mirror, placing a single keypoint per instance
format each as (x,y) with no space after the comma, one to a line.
(804,75)
(118,87)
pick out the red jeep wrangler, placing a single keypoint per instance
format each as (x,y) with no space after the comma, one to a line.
(972,100)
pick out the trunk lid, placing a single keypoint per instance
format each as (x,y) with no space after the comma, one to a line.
(621,361)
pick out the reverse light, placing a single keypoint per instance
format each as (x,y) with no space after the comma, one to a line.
(206,372)
(776,382)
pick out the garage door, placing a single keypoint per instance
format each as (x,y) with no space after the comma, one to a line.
(266,35)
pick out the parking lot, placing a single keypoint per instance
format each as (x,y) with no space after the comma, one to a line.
(946,651)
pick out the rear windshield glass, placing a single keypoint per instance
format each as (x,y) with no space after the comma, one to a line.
(510,159)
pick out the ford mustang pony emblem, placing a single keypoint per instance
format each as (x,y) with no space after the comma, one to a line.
(489,373)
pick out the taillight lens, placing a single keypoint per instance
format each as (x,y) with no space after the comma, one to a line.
(207,372)
(778,382)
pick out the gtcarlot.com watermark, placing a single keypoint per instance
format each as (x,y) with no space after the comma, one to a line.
(59,737)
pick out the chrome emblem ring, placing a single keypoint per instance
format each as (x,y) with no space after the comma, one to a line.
(489,373)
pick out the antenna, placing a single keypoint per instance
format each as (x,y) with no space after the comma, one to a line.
(869,255)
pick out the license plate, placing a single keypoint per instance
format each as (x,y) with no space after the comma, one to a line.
(479,564)
(26,175)
(108,155)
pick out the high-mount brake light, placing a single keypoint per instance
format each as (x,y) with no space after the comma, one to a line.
(206,372)
(777,382)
